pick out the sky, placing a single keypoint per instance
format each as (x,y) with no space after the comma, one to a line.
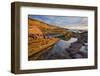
(61,21)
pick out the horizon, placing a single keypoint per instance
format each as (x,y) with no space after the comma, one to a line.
(62,21)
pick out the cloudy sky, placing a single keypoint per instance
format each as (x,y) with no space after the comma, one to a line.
(62,21)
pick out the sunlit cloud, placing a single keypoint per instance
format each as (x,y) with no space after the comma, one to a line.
(62,21)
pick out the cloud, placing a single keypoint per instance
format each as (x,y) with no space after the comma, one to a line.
(60,20)
(84,21)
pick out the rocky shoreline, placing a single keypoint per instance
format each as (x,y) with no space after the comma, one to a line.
(75,48)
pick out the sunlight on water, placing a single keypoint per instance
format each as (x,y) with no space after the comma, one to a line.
(62,44)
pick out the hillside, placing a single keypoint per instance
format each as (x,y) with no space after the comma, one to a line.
(46,28)
(43,36)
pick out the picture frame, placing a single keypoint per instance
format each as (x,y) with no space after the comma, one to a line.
(18,19)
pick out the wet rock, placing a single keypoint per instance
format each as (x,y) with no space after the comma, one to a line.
(74,48)
(77,55)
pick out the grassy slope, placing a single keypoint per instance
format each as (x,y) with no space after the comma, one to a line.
(46,28)
(37,45)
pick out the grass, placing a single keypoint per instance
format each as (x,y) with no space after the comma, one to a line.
(37,45)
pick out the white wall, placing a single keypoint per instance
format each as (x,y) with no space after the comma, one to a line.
(5,27)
